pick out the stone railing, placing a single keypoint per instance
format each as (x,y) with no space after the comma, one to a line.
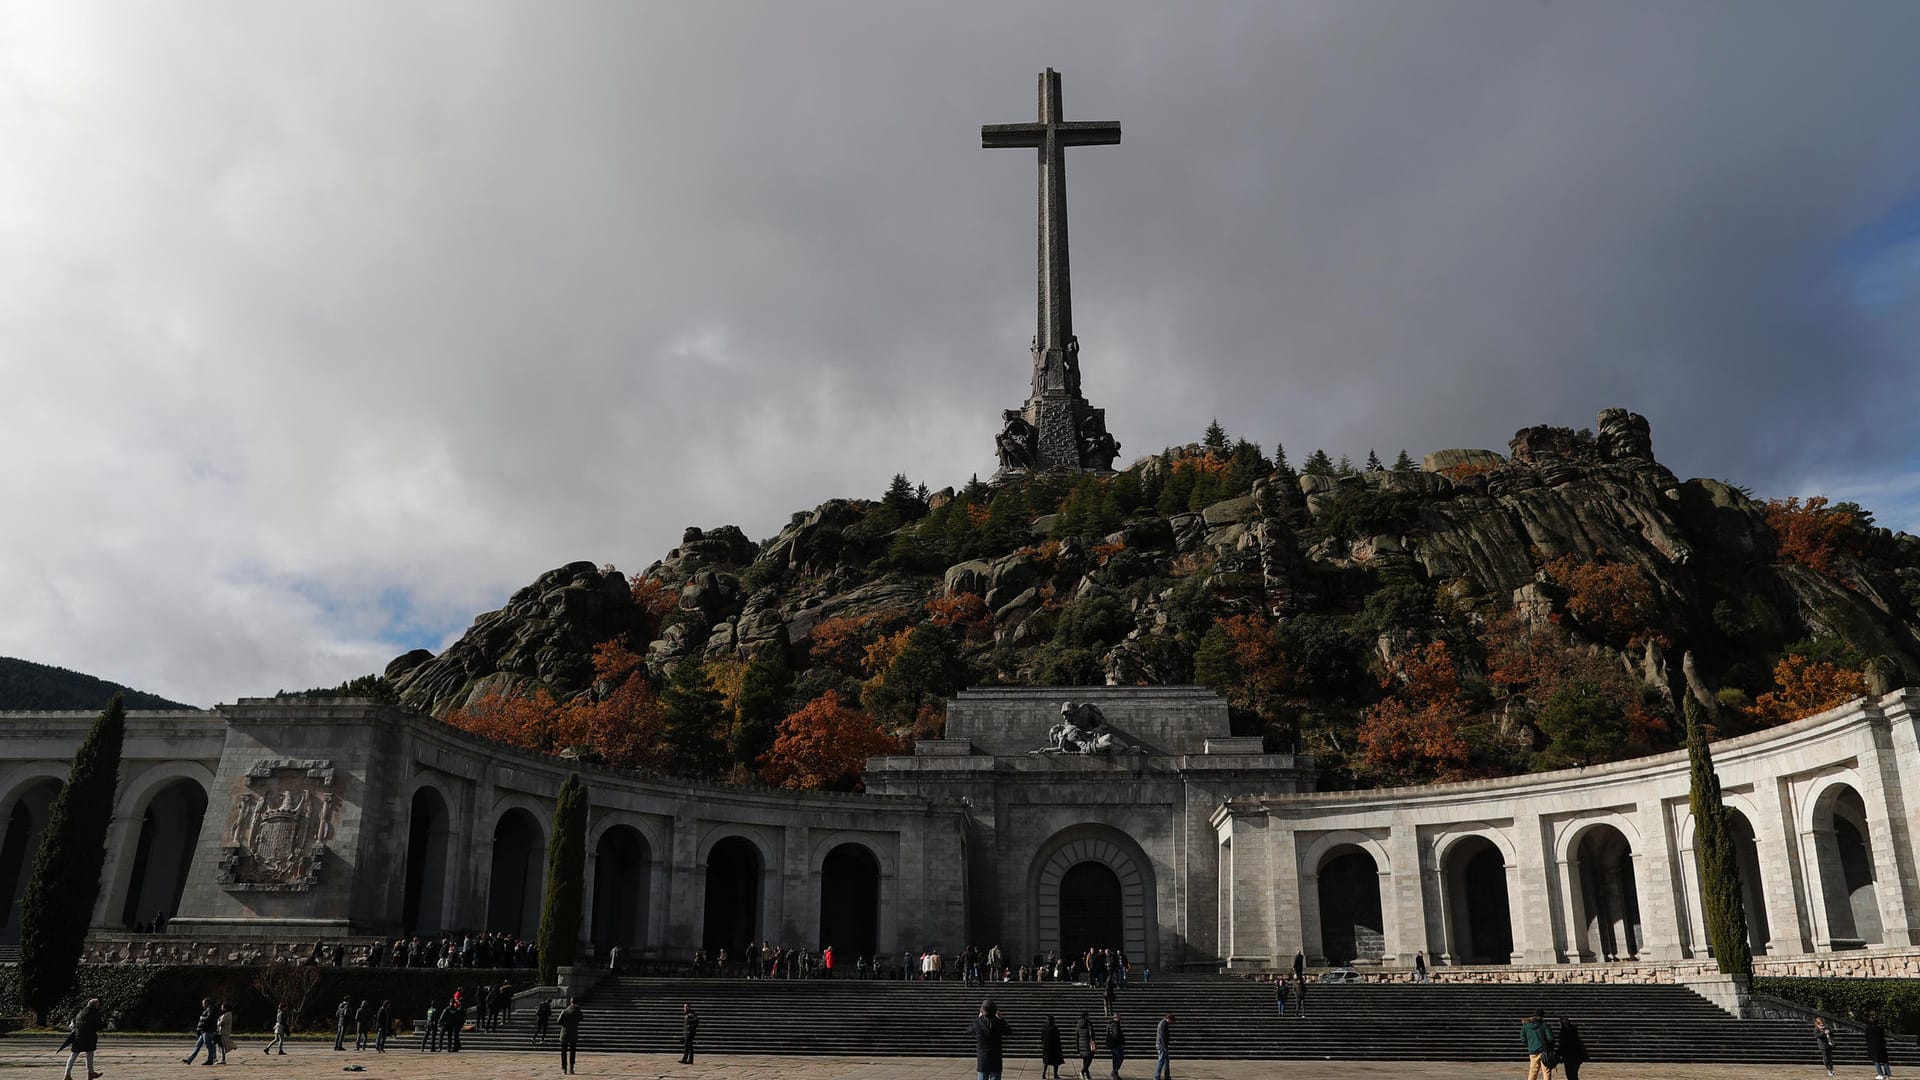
(1892,962)
(166,949)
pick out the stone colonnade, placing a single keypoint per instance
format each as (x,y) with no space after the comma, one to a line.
(1589,864)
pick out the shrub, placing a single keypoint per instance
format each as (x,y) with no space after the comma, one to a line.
(1894,1002)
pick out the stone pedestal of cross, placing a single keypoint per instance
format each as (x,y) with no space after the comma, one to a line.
(1056,428)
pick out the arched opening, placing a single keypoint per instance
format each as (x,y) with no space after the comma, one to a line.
(621,867)
(1845,850)
(850,902)
(1608,894)
(163,856)
(1090,909)
(513,899)
(425,898)
(1746,856)
(1351,927)
(26,822)
(1481,921)
(733,898)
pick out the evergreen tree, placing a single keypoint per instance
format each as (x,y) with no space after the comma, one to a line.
(901,500)
(1246,465)
(695,722)
(1319,464)
(1345,468)
(762,704)
(1128,493)
(1403,463)
(1007,521)
(65,882)
(1214,662)
(1373,462)
(1280,464)
(559,935)
(1721,899)
(1175,491)
(1215,440)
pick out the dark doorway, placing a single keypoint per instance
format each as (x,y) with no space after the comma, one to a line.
(1610,896)
(1350,922)
(1746,850)
(620,873)
(850,902)
(1482,923)
(1090,909)
(163,857)
(426,863)
(733,898)
(25,824)
(513,902)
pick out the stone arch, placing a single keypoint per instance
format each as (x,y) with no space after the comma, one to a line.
(1352,926)
(1476,908)
(850,876)
(1132,872)
(26,806)
(1600,862)
(1843,847)
(516,883)
(123,836)
(171,813)
(733,887)
(622,888)
(1741,815)
(429,828)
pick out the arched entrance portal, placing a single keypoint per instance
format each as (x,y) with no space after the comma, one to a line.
(25,824)
(621,872)
(1480,922)
(1746,853)
(1350,924)
(733,898)
(513,901)
(162,857)
(1847,879)
(1072,885)
(850,903)
(426,893)
(1609,897)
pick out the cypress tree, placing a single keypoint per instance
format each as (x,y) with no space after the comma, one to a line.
(1721,900)
(566,881)
(65,882)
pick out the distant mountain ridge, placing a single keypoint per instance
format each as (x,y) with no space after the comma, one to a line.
(27,685)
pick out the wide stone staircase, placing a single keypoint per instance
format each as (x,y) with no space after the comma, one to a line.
(1215,1017)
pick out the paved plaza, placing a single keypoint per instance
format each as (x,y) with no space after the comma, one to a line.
(143,1059)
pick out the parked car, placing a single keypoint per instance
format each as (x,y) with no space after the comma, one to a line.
(1342,975)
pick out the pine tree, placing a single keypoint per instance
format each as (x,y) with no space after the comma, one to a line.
(1373,462)
(1246,465)
(1280,464)
(1319,464)
(695,722)
(559,936)
(1403,463)
(1721,900)
(65,882)
(901,500)
(1345,468)
(1215,440)
(761,706)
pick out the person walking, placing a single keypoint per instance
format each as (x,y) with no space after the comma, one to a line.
(990,1033)
(281,1021)
(86,1037)
(205,1031)
(1539,1039)
(1083,1042)
(1050,1053)
(223,1031)
(342,1016)
(1280,994)
(542,1017)
(1420,967)
(570,1036)
(1163,1048)
(1300,996)
(1824,1040)
(382,1027)
(689,1027)
(1116,1045)
(1876,1037)
(1107,994)
(1570,1048)
(1299,964)
(363,1025)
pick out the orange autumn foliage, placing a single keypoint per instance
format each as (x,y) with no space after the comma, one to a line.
(1535,662)
(1809,533)
(1615,599)
(824,746)
(1264,671)
(619,723)
(840,642)
(964,613)
(1205,466)
(1414,735)
(1805,687)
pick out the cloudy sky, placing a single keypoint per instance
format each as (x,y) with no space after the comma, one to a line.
(325,326)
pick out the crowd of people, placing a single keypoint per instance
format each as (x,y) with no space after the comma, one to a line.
(488,949)
(973,965)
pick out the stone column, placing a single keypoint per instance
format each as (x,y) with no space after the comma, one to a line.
(688,888)
(1653,880)
(1774,847)
(1692,904)
(1284,850)
(1311,933)
(1821,858)
(1441,918)
(1528,904)
(1404,901)
(1573,912)
(1893,866)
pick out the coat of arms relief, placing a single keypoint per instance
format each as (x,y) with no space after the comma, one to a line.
(278,829)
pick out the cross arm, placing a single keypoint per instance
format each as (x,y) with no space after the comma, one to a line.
(1088,132)
(1073,133)
(998,136)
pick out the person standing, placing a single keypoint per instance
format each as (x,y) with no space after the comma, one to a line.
(1420,967)
(452,1019)
(86,1037)
(281,1021)
(1083,1042)
(223,1031)
(1050,1052)
(1300,996)
(1824,1040)
(1299,964)
(542,1017)
(205,1030)
(689,1027)
(990,1033)
(1876,1037)
(569,1036)
(342,1016)
(1571,1048)
(1163,1048)
(1280,994)
(1539,1039)
(382,1027)
(430,1038)
(363,1025)
(1116,1044)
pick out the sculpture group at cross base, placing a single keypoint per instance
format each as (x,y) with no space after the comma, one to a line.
(1018,442)
(1083,729)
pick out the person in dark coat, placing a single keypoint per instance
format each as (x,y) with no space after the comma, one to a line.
(1280,994)
(570,1036)
(1050,1055)
(1876,1037)
(342,1016)
(1571,1048)
(452,1019)
(1116,1044)
(1300,995)
(206,1032)
(1163,1048)
(989,1031)
(542,1017)
(1824,1040)
(689,1027)
(1084,1043)
(1107,995)
(86,1037)
(1299,964)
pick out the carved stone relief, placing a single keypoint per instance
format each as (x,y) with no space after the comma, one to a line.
(278,829)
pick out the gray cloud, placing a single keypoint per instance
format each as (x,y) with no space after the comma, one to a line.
(324,327)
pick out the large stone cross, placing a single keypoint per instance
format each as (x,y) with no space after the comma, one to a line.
(1058,424)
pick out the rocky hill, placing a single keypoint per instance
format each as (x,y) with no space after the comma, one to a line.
(1309,598)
